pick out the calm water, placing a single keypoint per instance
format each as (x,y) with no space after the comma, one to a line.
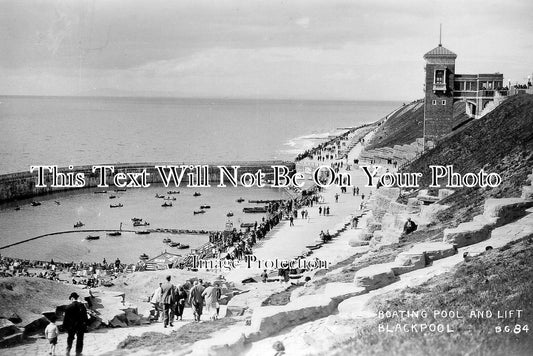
(81,131)
(93,210)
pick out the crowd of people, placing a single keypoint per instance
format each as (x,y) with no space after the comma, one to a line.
(236,244)
(169,301)
(87,274)
(327,150)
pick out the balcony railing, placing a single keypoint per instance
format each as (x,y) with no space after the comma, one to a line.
(439,86)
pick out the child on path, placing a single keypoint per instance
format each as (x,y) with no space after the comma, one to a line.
(51,332)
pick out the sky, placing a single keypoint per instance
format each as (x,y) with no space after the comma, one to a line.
(276,49)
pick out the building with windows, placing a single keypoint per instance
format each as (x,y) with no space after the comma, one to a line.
(443,88)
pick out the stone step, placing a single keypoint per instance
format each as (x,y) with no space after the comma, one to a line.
(375,276)
(506,209)
(7,328)
(434,250)
(467,233)
(527,192)
(11,340)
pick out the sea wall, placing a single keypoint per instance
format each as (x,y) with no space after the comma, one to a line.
(22,185)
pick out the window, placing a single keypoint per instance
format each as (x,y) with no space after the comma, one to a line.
(444,102)
(434,102)
(439,77)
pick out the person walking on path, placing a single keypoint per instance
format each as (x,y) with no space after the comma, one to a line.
(211,300)
(264,276)
(181,297)
(291,219)
(156,302)
(75,323)
(168,298)
(196,299)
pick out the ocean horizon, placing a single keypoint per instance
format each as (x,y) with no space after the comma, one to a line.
(86,130)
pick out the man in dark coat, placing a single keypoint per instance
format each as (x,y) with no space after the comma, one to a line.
(409,226)
(168,298)
(75,323)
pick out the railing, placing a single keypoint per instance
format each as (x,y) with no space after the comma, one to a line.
(439,86)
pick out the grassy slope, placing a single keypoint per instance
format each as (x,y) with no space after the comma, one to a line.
(501,142)
(29,297)
(498,280)
(405,128)
(177,340)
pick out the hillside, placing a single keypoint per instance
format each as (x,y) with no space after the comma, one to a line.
(29,297)
(498,280)
(407,124)
(500,142)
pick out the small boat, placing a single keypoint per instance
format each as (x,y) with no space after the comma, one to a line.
(205,206)
(119,205)
(165,205)
(142,232)
(240,200)
(112,196)
(100,192)
(35,203)
(174,244)
(183,247)
(229,214)
(257,209)
(78,224)
(114,233)
(136,219)
(173,192)
(144,256)
(198,212)
(159,196)
(92,237)
(196,194)
(17,208)
(138,223)
(167,240)
(170,198)
(57,202)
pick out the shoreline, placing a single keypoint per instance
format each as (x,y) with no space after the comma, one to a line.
(353,134)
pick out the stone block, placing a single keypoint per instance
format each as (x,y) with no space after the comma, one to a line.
(467,234)
(375,276)
(434,250)
(132,318)
(12,317)
(341,291)
(444,193)
(407,258)
(234,311)
(356,242)
(506,209)
(11,340)
(271,319)
(527,192)
(7,328)
(373,227)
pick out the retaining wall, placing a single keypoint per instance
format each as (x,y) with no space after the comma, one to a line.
(22,185)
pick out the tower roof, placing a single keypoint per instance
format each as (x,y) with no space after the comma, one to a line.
(440,51)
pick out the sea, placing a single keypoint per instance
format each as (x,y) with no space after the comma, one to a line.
(77,131)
